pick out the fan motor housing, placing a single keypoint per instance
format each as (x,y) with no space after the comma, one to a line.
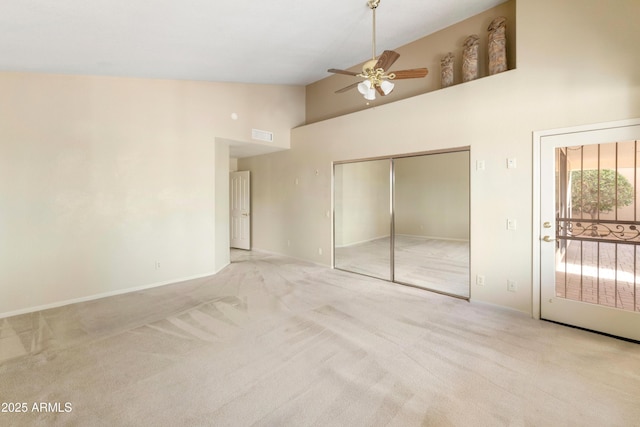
(368,66)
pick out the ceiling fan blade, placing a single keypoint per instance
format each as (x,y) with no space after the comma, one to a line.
(410,74)
(387,59)
(348,73)
(380,91)
(351,86)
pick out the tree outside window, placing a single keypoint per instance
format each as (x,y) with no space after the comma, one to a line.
(593,192)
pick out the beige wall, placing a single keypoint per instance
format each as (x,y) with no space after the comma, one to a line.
(431,198)
(432,195)
(233,165)
(361,202)
(578,63)
(323,103)
(112,184)
(222,209)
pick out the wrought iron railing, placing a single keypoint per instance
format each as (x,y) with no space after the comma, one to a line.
(598,230)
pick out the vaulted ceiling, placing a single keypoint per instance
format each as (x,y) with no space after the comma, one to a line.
(251,41)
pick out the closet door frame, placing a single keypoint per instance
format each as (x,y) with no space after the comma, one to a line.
(392,183)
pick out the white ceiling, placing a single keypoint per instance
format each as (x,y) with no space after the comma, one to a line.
(277,42)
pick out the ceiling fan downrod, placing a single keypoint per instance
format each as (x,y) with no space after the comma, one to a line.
(373,5)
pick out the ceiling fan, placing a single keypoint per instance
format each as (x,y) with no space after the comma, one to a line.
(375,71)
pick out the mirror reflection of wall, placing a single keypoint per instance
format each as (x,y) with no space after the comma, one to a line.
(362,218)
(430,244)
(431,212)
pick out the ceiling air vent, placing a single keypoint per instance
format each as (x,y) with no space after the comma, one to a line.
(262,135)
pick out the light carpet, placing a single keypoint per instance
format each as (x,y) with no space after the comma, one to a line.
(271,341)
(436,264)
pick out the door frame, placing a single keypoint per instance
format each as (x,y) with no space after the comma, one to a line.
(536,215)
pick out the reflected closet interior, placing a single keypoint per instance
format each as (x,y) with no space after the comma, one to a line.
(405,219)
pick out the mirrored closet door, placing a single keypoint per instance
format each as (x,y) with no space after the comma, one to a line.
(405,219)
(431,213)
(362,215)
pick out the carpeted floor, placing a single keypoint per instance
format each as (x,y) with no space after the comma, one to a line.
(436,264)
(271,341)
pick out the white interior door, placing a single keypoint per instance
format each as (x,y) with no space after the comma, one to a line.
(240,205)
(590,234)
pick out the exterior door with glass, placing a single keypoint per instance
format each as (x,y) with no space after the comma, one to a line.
(590,229)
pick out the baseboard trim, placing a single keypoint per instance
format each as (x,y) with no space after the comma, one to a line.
(105,295)
(450,239)
(267,252)
(362,241)
(499,307)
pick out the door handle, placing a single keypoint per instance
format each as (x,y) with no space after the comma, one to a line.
(548,239)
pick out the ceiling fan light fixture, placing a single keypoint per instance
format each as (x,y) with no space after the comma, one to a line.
(371,95)
(386,87)
(375,71)
(367,89)
(364,87)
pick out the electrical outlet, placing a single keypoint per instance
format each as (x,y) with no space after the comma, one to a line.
(511,224)
(480,280)
(512,285)
(319,251)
